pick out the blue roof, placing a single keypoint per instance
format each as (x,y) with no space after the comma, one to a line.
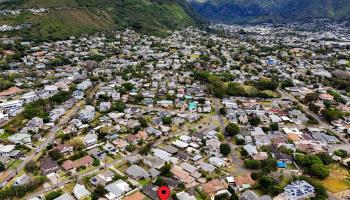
(281,164)
(192,106)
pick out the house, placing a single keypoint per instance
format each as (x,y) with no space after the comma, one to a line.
(151,191)
(216,161)
(78,94)
(207,167)
(10,92)
(185,196)
(64,148)
(117,189)
(104,106)
(97,153)
(243,182)
(87,114)
(20,138)
(153,131)
(119,143)
(22,180)
(190,169)
(9,151)
(135,196)
(153,161)
(326,97)
(250,149)
(80,191)
(257,131)
(84,85)
(183,176)
(73,165)
(180,144)
(90,139)
(102,178)
(52,89)
(214,186)
(64,196)
(109,148)
(297,190)
(262,140)
(162,154)
(251,195)
(48,165)
(137,172)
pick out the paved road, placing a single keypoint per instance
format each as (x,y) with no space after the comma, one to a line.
(239,169)
(321,122)
(49,139)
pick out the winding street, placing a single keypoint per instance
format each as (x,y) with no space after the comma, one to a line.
(49,139)
(239,168)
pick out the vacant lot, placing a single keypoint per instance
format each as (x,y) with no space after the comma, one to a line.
(338,179)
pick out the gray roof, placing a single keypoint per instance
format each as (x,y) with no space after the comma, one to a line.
(137,172)
(64,196)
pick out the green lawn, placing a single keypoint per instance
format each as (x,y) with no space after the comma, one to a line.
(5,135)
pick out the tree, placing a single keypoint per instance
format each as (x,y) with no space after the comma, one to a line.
(166,120)
(118,106)
(128,86)
(254,120)
(268,165)
(143,122)
(252,164)
(30,166)
(96,163)
(146,148)
(269,185)
(274,126)
(55,154)
(77,143)
(319,171)
(326,158)
(2,167)
(314,108)
(100,190)
(223,196)
(222,111)
(225,149)
(341,153)
(311,97)
(232,129)
(332,114)
(165,170)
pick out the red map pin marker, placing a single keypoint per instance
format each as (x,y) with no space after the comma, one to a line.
(163,192)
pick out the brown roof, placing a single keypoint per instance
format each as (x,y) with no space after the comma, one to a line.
(132,138)
(60,147)
(214,186)
(68,164)
(142,134)
(135,196)
(293,137)
(182,175)
(48,165)
(10,91)
(241,180)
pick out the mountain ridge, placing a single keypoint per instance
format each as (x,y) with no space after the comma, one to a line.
(250,11)
(73,17)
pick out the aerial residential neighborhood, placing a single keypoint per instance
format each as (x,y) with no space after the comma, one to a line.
(250,112)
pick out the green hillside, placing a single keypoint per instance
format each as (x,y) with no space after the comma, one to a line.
(72,17)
